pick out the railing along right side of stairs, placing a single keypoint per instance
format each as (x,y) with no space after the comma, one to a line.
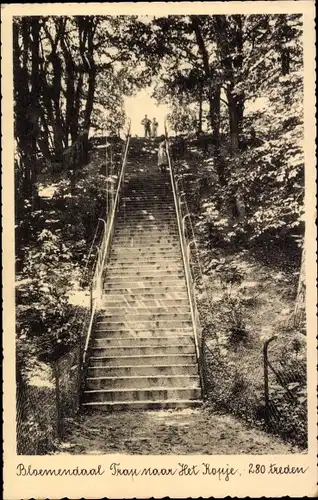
(185,250)
(96,285)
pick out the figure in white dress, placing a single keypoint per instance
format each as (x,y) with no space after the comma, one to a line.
(162,155)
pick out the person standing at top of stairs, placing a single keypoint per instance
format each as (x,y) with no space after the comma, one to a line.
(146,122)
(154,127)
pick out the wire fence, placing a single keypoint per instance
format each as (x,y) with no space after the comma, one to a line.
(46,401)
(285,395)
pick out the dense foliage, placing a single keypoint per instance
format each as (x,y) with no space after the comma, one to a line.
(240,78)
(70,78)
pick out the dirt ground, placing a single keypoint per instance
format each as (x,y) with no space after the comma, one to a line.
(175,432)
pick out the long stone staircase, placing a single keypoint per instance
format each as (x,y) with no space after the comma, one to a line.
(142,351)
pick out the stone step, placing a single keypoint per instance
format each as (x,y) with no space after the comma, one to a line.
(128,333)
(153,214)
(142,370)
(165,201)
(137,255)
(147,237)
(122,306)
(161,293)
(140,183)
(148,223)
(148,202)
(145,315)
(144,324)
(144,311)
(166,244)
(150,286)
(133,258)
(147,302)
(158,236)
(169,359)
(146,206)
(147,211)
(144,267)
(147,215)
(152,259)
(143,228)
(134,280)
(134,219)
(142,382)
(141,341)
(141,274)
(160,190)
(147,250)
(147,220)
(162,196)
(141,350)
(126,230)
(150,199)
(141,405)
(143,394)
(146,244)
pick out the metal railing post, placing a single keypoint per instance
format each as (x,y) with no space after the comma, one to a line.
(181,201)
(103,220)
(189,249)
(266,381)
(183,223)
(106,173)
(91,297)
(111,176)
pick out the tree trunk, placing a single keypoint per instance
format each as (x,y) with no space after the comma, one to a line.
(52,92)
(22,103)
(299,314)
(199,131)
(74,125)
(236,100)
(214,95)
(35,100)
(215,118)
(87,27)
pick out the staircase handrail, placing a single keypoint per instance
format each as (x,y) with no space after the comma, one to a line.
(104,249)
(186,260)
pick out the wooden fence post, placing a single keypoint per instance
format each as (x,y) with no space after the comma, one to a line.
(56,372)
(266,381)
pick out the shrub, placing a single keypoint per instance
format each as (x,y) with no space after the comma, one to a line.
(43,312)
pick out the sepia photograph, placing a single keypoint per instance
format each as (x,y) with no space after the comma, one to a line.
(159,234)
(159,241)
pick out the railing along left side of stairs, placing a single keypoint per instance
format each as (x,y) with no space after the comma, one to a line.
(96,284)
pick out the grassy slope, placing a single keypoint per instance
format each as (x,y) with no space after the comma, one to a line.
(262,304)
